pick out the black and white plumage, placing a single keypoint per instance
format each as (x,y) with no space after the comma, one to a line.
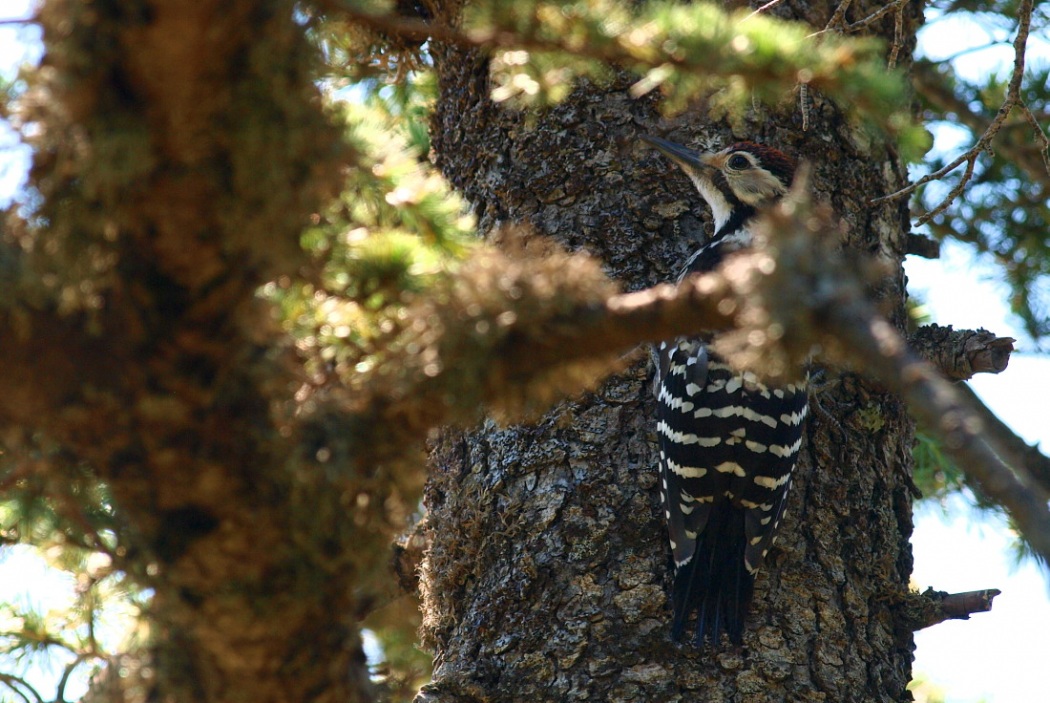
(728,442)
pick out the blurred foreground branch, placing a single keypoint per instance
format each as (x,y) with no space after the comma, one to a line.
(795,291)
(778,302)
(1014,450)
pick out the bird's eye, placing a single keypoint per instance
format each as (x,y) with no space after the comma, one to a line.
(739,162)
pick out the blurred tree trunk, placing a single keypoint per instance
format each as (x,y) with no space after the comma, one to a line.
(179,149)
(548,572)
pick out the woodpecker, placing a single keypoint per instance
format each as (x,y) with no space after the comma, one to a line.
(728,442)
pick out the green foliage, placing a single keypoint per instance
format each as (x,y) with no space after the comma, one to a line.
(402,293)
(72,527)
(691,51)
(393,232)
(356,54)
(935,474)
(405,106)
(1004,212)
(1004,215)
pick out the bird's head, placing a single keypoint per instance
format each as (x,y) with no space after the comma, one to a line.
(744,176)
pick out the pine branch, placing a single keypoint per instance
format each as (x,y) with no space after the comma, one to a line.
(663,50)
(782,299)
(933,86)
(865,340)
(872,343)
(1012,100)
(776,304)
(21,688)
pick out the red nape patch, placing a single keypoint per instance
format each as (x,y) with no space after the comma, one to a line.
(773,160)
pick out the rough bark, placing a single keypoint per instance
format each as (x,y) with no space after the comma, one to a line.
(548,572)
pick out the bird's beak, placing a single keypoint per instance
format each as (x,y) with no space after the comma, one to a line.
(684,157)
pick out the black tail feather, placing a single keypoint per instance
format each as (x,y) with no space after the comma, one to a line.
(715,584)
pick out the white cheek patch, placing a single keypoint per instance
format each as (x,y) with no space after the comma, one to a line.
(756,187)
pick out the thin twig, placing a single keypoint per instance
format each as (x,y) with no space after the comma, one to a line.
(971,154)
(1012,100)
(768,6)
(872,18)
(60,695)
(1044,142)
(838,18)
(804,104)
(837,21)
(17,683)
(898,35)
(954,193)
(972,50)
(932,86)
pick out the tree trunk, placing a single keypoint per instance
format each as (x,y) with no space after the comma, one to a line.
(179,149)
(549,571)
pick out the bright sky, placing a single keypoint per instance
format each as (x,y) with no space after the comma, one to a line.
(997,657)
(1001,656)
